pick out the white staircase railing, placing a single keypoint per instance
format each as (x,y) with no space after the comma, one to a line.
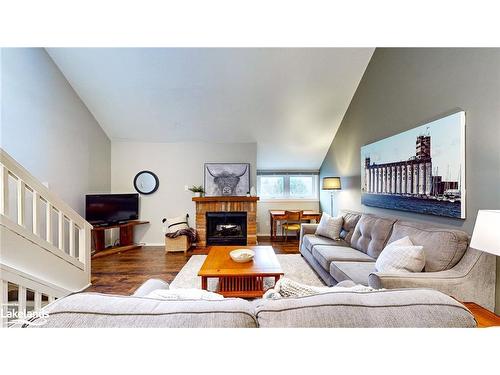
(42,237)
(23,296)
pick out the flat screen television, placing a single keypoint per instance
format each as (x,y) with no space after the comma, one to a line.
(106,209)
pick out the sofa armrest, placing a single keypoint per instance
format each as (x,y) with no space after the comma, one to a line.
(149,285)
(306,229)
(433,280)
(471,279)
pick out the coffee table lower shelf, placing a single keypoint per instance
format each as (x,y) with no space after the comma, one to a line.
(240,286)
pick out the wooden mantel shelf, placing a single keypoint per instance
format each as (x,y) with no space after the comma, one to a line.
(225,199)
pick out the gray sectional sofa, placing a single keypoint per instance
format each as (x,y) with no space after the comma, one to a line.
(407,300)
(451,267)
(389,308)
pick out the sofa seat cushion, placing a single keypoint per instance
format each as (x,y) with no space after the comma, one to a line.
(327,254)
(358,272)
(443,247)
(371,234)
(311,240)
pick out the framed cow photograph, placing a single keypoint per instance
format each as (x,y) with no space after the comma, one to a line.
(227,179)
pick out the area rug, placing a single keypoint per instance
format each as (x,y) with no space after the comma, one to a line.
(293,265)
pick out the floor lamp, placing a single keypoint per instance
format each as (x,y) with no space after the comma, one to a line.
(331,183)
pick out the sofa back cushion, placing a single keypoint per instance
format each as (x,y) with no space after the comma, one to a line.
(351,218)
(93,310)
(371,234)
(382,309)
(443,247)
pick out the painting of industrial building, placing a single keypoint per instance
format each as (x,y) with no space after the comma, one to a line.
(420,170)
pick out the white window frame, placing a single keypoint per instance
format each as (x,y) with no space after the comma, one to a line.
(286,175)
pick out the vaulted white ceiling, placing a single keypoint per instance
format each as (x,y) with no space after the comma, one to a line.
(289,101)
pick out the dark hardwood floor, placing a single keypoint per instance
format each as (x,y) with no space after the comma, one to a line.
(122,273)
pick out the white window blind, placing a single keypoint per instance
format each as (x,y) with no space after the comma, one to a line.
(288,185)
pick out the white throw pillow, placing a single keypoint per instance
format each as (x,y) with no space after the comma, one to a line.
(330,226)
(176,223)
(184,295)
(401,256)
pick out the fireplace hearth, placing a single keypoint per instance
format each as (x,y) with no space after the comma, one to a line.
(226,228)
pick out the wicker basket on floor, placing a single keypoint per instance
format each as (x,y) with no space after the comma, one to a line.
(180,243)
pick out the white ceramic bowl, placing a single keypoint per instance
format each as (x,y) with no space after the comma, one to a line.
(242,255)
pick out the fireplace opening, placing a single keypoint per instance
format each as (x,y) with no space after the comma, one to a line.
(226,228)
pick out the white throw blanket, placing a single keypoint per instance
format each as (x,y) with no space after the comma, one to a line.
(286,288)
(183,294)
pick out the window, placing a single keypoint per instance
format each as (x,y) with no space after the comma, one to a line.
(272,186)
(287,185)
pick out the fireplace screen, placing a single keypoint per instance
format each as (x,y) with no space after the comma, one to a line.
(226,228)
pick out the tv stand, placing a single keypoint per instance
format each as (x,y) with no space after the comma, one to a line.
(126,238)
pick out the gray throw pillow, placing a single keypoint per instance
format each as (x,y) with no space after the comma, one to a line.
(330,226)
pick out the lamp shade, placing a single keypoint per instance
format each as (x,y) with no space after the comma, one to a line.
(486,234)
(331,183)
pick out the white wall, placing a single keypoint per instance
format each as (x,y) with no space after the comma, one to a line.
(263,220)
(47,128)
(176,165)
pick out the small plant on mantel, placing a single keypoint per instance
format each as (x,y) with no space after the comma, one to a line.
(197,190)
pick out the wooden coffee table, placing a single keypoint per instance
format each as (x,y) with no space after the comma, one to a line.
(245,280)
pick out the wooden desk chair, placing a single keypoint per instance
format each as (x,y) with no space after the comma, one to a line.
(292,222)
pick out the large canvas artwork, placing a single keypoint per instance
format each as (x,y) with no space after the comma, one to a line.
(227,179)
(420,170)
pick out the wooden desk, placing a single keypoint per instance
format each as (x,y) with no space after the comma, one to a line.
(278,215)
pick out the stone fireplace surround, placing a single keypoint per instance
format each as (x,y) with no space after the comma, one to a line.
(226,204)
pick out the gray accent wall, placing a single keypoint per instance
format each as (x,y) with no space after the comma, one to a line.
(406,87)
(49,130)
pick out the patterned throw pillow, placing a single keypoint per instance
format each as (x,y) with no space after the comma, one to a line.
(176,223)
(287,288)
(401,256)
(330,226)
